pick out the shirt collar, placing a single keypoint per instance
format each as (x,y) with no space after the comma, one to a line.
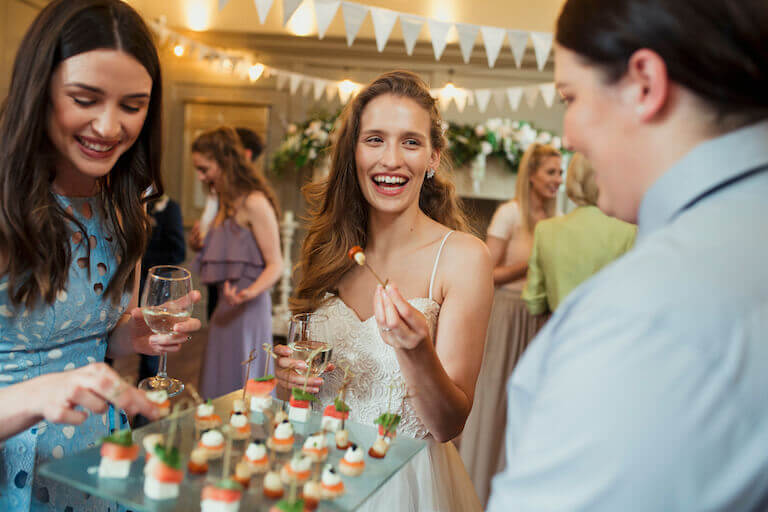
(705,168)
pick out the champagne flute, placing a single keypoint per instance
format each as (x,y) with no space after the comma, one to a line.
(305,338)
(165,302)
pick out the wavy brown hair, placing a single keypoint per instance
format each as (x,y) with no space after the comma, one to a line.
(34,228)
(338,211)
(240,177)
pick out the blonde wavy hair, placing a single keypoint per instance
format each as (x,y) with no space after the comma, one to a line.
(338,211)
(532,159)
(580,184)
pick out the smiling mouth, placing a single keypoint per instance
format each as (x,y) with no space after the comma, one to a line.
(389,181)
(96,146)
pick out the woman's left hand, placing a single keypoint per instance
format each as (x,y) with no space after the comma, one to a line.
(146,342)
(235,297)
(401,325)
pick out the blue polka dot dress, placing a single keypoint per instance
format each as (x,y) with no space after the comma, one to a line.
(67,334)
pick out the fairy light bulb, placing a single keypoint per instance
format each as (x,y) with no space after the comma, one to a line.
(178,50)
(255,71)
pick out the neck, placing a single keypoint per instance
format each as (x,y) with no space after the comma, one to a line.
(536,202)
(387,231)
(72,183)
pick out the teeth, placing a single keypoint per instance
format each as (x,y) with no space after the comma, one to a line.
(95,147)
(390,180)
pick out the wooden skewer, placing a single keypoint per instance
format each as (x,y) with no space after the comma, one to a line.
(357,255)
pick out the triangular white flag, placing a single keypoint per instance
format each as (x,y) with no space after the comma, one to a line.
(542,44)
(518,39)
(319,88)
(354,15)
(438,31)
(483,96)
(411,26)
(289,7)
(514,95)
(263,7)
(325,11)
(499,98)
(461,99)
(548,93)
(222,3)
(282,79)
(331,91)
(467,36)
(295,82)
(493,38)
(306,85)
(531,93)
(445,102)
(383,21)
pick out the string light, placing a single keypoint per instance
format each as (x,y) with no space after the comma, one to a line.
(178,50)
(255,71)
(346,89)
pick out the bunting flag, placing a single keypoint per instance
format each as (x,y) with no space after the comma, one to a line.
(514,95)
(263,7)
(461,100)
(548,93)
(289,7)
(467,37)
(318,88)
(438,30)
(282,80)
(354,15)
(331,92)
(542,45)
(517,42)
(445,102)
(499,98)
(383,22)
(493,38)
(530,93)
(325,11)
(295,82)
(411,26)
(482,96)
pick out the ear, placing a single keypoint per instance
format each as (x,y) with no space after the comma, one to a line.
(434,159)
(648,83)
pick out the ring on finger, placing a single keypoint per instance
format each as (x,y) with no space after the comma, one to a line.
(386,329)
(115,391)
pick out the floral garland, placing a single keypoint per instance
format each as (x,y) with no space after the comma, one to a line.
(508,139)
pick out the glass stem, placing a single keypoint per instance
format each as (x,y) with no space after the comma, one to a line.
(161,373)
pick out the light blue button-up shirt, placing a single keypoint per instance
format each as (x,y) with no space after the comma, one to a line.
(647,390)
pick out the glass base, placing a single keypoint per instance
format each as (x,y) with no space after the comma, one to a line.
(172,386)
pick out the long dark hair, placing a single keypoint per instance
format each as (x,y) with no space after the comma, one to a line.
(716,49)
(34,232)
(240,177)
(338,211)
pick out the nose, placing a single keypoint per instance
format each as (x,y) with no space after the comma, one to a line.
(108,124)
(390,156)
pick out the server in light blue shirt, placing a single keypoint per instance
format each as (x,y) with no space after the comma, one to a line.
(646,390)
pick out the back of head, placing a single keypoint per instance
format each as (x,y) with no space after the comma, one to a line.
(250,141)
(29,215)
(239,176)
(338,211)
(714,48)
(580,184)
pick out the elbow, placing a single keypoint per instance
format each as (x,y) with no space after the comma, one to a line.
(449,433)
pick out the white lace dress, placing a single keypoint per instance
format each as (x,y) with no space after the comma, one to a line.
(434,480)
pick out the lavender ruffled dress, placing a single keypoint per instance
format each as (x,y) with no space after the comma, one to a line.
(230,253)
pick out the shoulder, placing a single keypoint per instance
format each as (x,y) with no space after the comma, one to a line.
(467,252)
(257,203)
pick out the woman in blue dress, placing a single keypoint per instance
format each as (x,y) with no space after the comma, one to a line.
(79,148)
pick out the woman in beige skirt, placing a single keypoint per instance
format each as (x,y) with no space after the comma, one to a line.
(510,238)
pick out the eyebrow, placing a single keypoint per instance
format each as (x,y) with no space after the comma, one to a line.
(410,134)
(96,90)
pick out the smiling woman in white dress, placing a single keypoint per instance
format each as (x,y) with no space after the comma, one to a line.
(388,194)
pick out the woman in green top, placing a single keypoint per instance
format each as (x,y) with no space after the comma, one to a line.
(567,250)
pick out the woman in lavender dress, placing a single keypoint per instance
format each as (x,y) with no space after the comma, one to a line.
(241,255)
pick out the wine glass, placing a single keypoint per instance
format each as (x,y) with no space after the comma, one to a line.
(305,337)
(165,302)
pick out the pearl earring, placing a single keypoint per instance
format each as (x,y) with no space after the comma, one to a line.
(430,173)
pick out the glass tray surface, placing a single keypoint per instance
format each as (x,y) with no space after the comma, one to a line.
(81,469)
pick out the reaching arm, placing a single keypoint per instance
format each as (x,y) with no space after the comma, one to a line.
(535,291)
(503,274)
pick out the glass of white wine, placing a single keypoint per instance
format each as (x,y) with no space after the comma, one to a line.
(165,302)
(305,337)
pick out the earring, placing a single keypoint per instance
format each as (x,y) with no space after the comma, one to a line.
(640,110)
(430,173)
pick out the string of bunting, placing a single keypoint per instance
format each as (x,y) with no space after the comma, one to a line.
(243,64)
(384,20)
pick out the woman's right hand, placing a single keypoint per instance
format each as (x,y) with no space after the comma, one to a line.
(285,371)
(195,237)
(56,396)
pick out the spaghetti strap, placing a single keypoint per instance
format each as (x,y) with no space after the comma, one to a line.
(437,260)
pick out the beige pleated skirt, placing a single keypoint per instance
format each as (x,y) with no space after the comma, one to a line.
(510,330)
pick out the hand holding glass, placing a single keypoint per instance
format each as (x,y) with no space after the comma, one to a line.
(304,339)
(165,302)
